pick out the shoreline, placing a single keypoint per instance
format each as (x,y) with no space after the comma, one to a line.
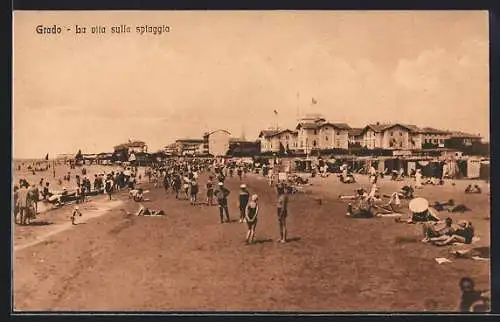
(97,209)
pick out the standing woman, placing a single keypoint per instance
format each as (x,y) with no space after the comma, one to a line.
(108,187)
(210,191)
(282,212)
(166,182)
(243,201)
(251,212)
(418,179)
(193,192)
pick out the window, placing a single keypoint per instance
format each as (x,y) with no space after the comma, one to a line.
(400,133)
(326,138)
(391,133)
(338,133)
(315,132)
(314,142)
(286,137)
(400,144)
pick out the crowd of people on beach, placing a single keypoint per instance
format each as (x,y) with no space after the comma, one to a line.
(436,231)
(181,178)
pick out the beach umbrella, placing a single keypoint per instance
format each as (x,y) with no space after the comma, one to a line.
(132,158)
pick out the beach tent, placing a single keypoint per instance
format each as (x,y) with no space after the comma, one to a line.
(473,168)
(484,170)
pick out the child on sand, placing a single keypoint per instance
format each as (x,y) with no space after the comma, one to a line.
(210,191)
(76,213)
(251,212)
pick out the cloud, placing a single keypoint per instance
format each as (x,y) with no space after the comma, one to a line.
(423,73)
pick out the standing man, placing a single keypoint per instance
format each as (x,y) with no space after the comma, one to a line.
(34,195)
(373,174)
(221,193)
(166,182)
(108,187)
(176,185)
(210,191)
(271,176)
(16,197)
(243,201)
(23,204)
(282,212)
(193,192)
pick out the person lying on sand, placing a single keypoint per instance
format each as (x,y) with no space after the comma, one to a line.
(434,181)
(358,193)
(76,213)
(450,206)
(362,209)
(145,211)
(390,208)
(137,194)
(366,207)
(483,252)
(421,211)
(463,234)
(474,189)
(347,178)
(436,229)
(406,193)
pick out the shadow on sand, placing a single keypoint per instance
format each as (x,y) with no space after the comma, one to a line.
(293,239)
(406,240)
(263,241)
(40,223)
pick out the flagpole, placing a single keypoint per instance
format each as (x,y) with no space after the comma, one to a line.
(298,113)
(276,120)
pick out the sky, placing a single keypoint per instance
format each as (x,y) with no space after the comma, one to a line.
(232,69)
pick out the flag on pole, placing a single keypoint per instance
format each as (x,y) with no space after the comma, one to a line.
(313,101)
(275,112)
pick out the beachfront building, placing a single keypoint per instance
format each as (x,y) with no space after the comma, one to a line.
(170,149)
(354,137)
(189,147)
(278,140)
(132,146)
(434,138)
(242,147)
(269,142)
(394,136)
(316,133)
(216,142)
(461,139)
(313,132)
(333,136)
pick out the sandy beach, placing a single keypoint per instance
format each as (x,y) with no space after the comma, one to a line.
(187,260)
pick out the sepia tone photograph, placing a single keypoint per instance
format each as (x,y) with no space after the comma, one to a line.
(251,161)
